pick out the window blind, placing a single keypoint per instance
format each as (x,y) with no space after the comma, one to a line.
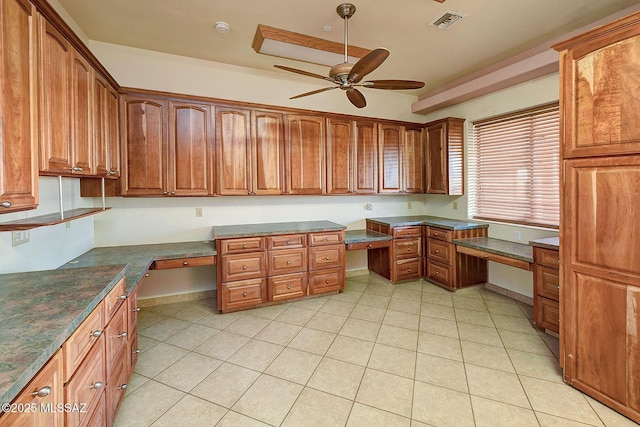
(515,168)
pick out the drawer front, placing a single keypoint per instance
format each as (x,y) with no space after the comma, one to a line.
(243,266)
(287,241)
(326,281)
(236,246)
(547,257)
(87,385)
(116,339)
(408,268)
(132,310)
(547,314)
(164,264)
(287,261)
(326,238)
(133,350)
(440,273)
(116,388)
(114,298)
(242,294)
(439,250)
(440,234)
(326,257)
(287,286)
(76,347)
(375,244)
(408,248)
(402,232)
(547,282)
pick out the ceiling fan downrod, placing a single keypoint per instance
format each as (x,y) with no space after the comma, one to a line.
(346,11)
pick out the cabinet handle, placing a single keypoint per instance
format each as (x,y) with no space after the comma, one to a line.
(326,281)
(408,249)
(137,309)
(5,204)
(436,273)
(136,351)
(558,260)
(185,263)
(435,234)
(244,267)
(409,270)
(369,245)
(288,242)
(244,294)
(123,387)
(112,173)
(165,193)
(486,256)
(122,335)
(288,286)
(97,385)
(122,297)
(288,262)
(173,193)
(146,275)
(76,169)
(43,392)
(437,251)
(96,333)
(326,258)
(244,246)
(558,286)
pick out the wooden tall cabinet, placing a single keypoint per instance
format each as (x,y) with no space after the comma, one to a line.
(340,152)
(599,230)
(389,158)
(444,148)
(365,158)
(412,161)
(305,154)
(105,128)
(267,152)
(18,107)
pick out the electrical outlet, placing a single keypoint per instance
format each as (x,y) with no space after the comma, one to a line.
(198,212)
(19,237)
(517,236)
(455,206)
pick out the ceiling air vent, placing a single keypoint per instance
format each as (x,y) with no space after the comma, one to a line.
(448,19)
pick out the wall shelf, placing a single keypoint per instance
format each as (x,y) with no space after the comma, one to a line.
(49,219)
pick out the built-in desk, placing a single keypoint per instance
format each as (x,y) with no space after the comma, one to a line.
(515,254)
(366,239)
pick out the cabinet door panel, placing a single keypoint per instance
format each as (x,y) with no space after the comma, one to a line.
(365,165)
(412,161)
(340,142)
(437,169)
(267,153)
(390,154)
(305,153)
(233,145)
(112,133)
(81,115)
(105,128)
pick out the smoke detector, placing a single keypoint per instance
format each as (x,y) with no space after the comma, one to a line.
(222,27)
(448,19)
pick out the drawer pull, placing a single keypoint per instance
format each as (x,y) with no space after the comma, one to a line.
(112,173)
(326,281)
(122,335)
(137,309)
(97,385)
(409,270)
(326,258)
(486,256)
(185,263)
(244,267)
(146,275)
(96,333)
(408,249)
(244,246)
(43,392)
(123,387)
(77,169)
(244,294)
(122,297)
(288,242)
(288,286)
(558,286)
(136,351)
(436,273)
(558,260)
(288,262)
(369,245)
(437,251)
(5,204)
(435,234)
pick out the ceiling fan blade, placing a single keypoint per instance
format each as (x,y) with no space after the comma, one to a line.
(313,92)
(304,73)
(356,98)
(367,64)
(393,84)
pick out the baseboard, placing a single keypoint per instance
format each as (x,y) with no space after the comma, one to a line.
(170,299)
(357,272)
(508,293)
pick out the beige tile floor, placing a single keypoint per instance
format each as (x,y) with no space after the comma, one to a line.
(410,354)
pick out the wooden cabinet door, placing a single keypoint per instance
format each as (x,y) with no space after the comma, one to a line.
(105,128)
(81,116)
(305,154)
(18,144)
(390,158)
(144,146)
(340,152)
(190,149)
(436,149)
(412,161)
(365,158)
(233,151)
(444,148)
(267,153)
(55,96)
(112,133)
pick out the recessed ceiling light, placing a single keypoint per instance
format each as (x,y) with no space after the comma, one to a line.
(222,27)
(327,28)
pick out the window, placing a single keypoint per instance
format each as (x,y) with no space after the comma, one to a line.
(514,168)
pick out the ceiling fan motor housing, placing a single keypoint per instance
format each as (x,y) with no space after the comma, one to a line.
(346,10)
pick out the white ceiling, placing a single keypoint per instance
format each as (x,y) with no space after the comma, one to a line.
(493,30)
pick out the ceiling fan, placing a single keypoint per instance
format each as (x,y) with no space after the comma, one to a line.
(348,76)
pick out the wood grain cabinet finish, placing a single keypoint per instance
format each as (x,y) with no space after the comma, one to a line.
(83,339)
(82,118)
(600,275)
(413,165)
(546,288)
(18,106)
(389,158)
(267,153)
(305,154)
(241,273)
(341,134)
(106,133)
(326,262)
(444,148)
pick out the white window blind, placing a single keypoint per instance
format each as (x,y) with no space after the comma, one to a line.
(515,168)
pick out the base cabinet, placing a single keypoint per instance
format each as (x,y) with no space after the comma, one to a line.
(546,286)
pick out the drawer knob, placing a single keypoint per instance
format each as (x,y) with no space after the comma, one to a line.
(122,297)
(185,263)
(288,262)
(136,351)
(137,309)
(486,256)
(244,267)
(369,245)
(326,258)
(436,273)
(326,281)
(288,286)
(123,387)
(97,385)
(5,204)
(437,251)
(409,270)
(408,249)
(435,234)
(244,294)
(288,242)
(244,246)
(122,335)
(558,286)
(558,260)
(146,275)
(96,333)
(43,392)
(77,169)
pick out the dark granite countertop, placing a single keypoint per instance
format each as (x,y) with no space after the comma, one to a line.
(39,311)
(514,250)
(547,243)
(269,229)
(446,223)
(360,236)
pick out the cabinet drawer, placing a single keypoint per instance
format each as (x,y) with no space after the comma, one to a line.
(132,310)
(489,256)
(243,266)
(547,257)
(76,347)
(407,248)
(402,232)
(287,261)
(116,338)
(547,314)
(376,244)
(326,238)
(326,281)
(116,387)
(164,264)
(326,257)
(114,298)
(87,385)
(132,349)
(248,244)
(547,282)
(287,241)
(408,268)
(440,251)
(287,286)
(242,294)
(440,273)
(440,234)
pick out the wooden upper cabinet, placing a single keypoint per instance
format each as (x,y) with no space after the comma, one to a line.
(190,149)
(340,152)
(365,158)
(82,141)
(105,128)
(144,146)
(444,150)
(412,161)
(305,154)
(18,108)
(598,94)
(233,151)
(390,158)
(267,153)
